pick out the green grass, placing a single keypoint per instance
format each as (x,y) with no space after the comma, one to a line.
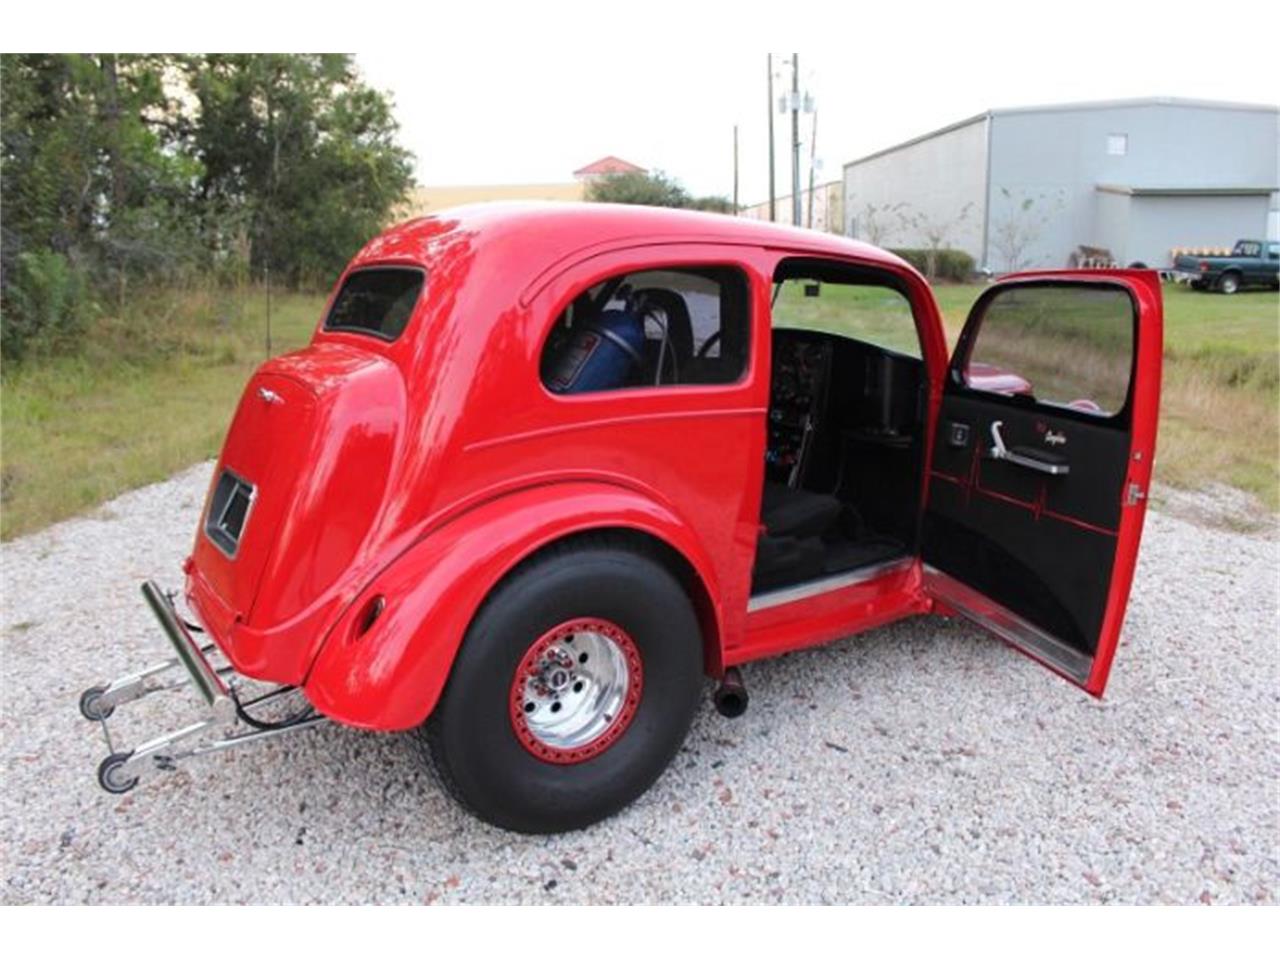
(153,391)
(147,394)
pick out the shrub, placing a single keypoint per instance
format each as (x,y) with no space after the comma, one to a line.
(951,264)
(46,302)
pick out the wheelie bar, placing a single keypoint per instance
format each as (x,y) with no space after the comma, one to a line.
(120,771)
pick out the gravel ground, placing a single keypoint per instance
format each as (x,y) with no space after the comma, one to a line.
(919,763)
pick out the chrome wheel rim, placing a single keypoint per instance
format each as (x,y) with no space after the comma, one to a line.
(576,690)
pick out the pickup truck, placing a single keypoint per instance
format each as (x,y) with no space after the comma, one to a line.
(1251,263)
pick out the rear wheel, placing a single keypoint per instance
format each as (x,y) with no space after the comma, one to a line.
(574,687)
(1229,283)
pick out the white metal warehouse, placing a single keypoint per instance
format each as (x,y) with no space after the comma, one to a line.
(1031,186)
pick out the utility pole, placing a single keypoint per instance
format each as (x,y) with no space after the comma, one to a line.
(773,202)
(795,139)
(735,169)
(813,146)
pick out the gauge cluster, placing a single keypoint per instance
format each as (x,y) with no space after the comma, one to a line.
(801,371)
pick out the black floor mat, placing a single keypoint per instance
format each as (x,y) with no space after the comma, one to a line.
(848,555)
(784,562)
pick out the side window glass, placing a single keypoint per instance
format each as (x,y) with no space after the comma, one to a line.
(654,328)
(1064,345)
(873,313)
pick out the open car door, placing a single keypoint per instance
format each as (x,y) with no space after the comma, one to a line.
(1041,463)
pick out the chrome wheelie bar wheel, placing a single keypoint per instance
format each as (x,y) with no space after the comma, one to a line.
(576,690)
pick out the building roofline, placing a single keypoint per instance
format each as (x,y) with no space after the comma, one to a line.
(1140,102)
(607,165)
(1167,191)
(1065,107)
(959,124)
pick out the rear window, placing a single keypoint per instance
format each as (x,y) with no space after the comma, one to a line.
(377,301)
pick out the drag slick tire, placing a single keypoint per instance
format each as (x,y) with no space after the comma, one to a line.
(573,689)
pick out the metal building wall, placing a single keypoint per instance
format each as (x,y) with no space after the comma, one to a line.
(1212,221)
(1056,157)
(938,180)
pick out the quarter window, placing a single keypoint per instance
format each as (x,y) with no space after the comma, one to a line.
(377,301)
(654,328)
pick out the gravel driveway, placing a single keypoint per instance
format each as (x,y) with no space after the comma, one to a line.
(919,763)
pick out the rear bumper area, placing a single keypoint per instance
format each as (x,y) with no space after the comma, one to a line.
(281,653)
(204,678)
(225,719)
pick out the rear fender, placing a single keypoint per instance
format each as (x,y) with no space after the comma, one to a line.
(388,675)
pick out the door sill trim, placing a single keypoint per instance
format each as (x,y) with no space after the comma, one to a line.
(1007,625)
(837,581)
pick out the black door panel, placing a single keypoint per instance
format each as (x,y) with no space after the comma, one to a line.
(1040,544)
(1090,494)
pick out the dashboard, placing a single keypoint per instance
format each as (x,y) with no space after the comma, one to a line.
(797,397)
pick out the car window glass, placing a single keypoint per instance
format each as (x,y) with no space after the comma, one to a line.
(1064,345)
(874,314)
(377,301)
(669,327)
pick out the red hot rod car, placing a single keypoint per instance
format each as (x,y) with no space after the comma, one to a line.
(544,467)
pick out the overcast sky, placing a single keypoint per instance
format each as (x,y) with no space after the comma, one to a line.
(527,101)
(502,92)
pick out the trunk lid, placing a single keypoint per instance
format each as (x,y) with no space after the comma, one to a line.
(269,436)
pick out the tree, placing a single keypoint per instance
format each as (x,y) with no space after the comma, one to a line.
(937,230)
(653,190)
(1020,226)
(298,151)
(644,189)
(160,167)
(878,224)
(713,204)
(88,188)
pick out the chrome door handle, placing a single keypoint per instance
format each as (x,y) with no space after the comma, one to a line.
(1000,452)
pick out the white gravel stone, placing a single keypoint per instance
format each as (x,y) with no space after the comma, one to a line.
(922,763)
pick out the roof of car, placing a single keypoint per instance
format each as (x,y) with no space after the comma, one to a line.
(556,230)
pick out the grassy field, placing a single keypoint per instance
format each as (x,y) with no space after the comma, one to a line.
(154,391)
(149,394)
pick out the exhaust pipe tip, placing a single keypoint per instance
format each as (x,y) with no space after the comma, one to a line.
(731,698)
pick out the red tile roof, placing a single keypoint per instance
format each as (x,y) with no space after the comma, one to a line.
(608,165)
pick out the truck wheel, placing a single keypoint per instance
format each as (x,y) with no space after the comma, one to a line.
(573,689)
(1229,283)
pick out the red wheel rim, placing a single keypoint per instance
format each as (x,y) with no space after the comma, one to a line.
(576,690)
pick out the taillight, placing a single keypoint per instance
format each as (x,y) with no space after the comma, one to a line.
(1204,265)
